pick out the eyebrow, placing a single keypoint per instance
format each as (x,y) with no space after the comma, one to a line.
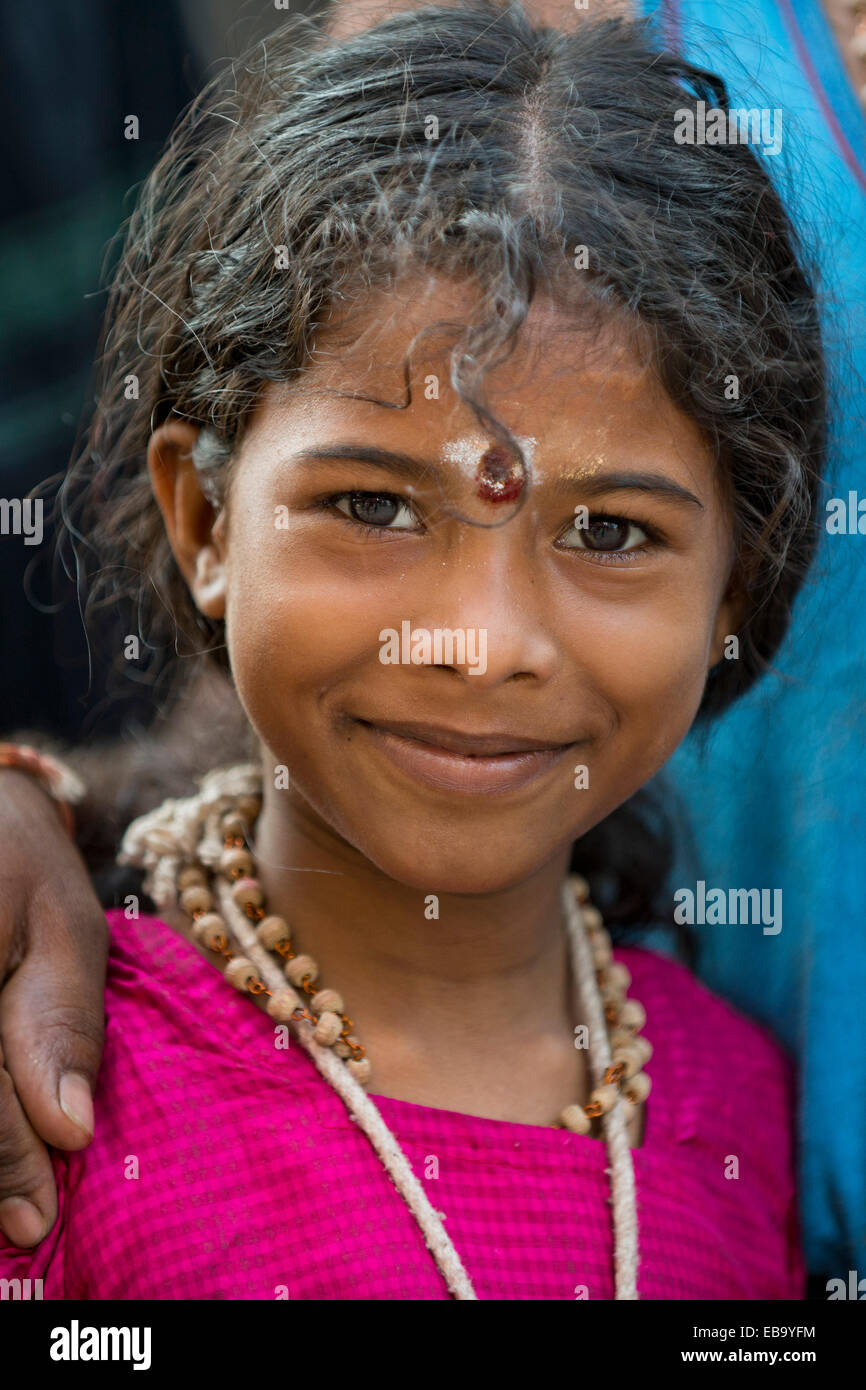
(653,483)
(594,485)
(400,465)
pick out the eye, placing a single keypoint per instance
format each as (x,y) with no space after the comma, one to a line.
(383,511)
(606,535)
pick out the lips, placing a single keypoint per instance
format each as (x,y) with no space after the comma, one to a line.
(459,761)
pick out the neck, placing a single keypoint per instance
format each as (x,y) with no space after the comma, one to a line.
(392,949)
(464,1010)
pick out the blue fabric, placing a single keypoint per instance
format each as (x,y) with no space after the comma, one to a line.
(776,796)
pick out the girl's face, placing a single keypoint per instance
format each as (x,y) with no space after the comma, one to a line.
(583,623)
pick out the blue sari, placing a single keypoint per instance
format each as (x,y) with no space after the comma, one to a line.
(775,792)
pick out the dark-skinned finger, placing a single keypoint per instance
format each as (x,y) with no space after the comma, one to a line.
(51,1026)
(28,1198)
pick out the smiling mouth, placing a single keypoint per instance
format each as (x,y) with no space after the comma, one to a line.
(451,760)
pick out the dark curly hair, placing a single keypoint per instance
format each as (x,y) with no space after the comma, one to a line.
(546,141)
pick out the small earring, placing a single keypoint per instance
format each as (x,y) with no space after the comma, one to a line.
(204,566)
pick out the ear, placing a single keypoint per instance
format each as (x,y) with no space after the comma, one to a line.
(194,529)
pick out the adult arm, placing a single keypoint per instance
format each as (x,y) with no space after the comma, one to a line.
(53,933)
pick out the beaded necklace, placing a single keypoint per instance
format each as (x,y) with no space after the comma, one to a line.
(197,852)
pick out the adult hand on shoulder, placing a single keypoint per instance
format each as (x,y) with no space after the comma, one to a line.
(53,948)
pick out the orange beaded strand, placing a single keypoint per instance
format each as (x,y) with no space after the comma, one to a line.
(324,1008)
(333,1027)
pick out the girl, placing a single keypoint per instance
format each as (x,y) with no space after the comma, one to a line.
(468,416)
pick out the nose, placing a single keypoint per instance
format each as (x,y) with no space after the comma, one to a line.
(492,594)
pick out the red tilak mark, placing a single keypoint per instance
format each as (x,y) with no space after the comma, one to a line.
(499,476)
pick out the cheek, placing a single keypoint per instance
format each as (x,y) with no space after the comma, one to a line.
(295,624)
(648,660)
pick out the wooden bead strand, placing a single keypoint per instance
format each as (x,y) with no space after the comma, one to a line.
(196,851)
(626,1017)
(325,1009)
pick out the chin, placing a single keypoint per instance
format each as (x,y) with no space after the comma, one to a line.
(461,868)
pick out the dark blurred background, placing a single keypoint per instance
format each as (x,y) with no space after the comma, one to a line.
(71,73)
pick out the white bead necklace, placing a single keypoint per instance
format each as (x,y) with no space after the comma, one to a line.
(179,842)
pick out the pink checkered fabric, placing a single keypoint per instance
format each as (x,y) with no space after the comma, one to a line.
(224,1168)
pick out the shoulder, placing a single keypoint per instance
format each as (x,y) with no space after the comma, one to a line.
(193,1086)
(153,970)
(168,1007)
(729,1072)
(131,938)
(669,986)
(725,1088)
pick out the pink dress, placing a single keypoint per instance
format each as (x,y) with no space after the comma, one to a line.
(226,1168)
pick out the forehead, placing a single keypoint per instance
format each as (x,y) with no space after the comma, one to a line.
(383,364)
(421,319)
